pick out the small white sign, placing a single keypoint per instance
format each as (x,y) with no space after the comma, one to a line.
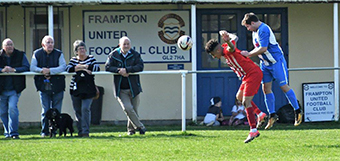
(153,34)
(318,101)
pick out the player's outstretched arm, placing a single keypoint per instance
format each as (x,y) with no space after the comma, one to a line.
(254,52)
(226,38)
(257,51)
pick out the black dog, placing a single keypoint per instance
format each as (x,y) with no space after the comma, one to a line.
(56,120)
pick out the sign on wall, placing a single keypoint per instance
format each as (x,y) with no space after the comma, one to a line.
(153,34)
(318,101)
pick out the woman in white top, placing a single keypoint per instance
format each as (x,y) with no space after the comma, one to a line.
(238,114)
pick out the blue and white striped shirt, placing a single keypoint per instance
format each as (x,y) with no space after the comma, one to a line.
(264,37)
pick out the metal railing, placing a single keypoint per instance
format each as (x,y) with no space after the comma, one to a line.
(183,74)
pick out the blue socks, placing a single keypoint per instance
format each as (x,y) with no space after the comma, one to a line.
(270,102)
(292,99)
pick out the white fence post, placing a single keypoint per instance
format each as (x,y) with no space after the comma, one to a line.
(50,20)
(336,61)
(194,63)
(183,74)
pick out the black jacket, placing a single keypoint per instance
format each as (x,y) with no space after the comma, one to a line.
(19,81)
(84,86)
(133,63)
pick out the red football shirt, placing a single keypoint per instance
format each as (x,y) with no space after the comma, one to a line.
(240,64)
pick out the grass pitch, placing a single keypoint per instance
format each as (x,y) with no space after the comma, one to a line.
(309,141)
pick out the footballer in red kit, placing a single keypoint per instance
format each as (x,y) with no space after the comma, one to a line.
(244,68)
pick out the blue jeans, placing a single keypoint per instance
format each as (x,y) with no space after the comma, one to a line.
(82,108)
(49,101)
(9,112)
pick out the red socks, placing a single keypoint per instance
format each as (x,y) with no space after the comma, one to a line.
(251,117)
(257,111)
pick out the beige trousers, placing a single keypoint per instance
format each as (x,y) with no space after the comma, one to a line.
(130,107)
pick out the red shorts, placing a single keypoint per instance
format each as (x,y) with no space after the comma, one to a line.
(251,82)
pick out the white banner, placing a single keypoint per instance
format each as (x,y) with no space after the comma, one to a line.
(318,101)
(153,34)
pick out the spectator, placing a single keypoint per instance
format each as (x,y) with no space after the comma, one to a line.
(11,61)
(214,116)
(82,100)
(49,61)
(124,60)
(238,114)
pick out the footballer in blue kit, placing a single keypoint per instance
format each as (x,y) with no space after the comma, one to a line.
(273,66)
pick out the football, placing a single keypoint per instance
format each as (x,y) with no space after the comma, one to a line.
(184,42)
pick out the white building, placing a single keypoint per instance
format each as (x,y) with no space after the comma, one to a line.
(304,30)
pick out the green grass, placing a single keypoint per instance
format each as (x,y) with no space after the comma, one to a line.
(309,141)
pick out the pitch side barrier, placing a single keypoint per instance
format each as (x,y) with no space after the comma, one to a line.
(183,74)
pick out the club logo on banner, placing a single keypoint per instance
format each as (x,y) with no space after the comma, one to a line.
(171,32)
(318,101)
(153,34)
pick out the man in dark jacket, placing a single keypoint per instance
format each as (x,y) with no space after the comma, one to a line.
(49,61)
(11,86)
(124,60)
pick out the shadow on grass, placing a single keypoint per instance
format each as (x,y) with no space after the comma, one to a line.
(277,126)
(110,136)
(322,146)
(176,129)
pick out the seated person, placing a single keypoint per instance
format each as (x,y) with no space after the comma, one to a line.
(214,116)
(238,114)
